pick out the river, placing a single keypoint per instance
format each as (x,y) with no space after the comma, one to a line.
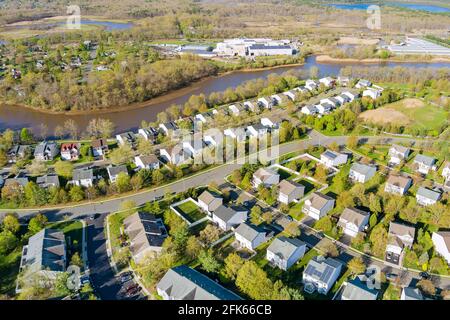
(19,117)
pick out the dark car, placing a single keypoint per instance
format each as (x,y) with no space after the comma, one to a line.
(425,275)
(125,278)
(391,276)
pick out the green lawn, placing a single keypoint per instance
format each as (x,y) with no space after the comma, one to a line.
(73,231)
(190,211)
(9,269)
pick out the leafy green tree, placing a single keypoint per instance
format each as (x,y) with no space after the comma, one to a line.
(157,177)
(255,215)
(34,195)
(208,262)
(356,266)
(123,182)
(292,229)
(76,260)
(193,247)
(253,281)
(11,223)
(121,155)
(25,135)
(64,169)
(8,241)
(76,193)
(209,234)
(233,263)
(37,223)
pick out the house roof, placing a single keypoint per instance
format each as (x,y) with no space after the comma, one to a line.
(70,146)
(285,247)
(20,180)
(354,216)
(48,179)
(357,289)
(83,174)
(148,159)
(446,237)
(428,161)
(362,168)
(226,213)
(248,232)
(322,269)
(184,283)
(264,173)
(319,200)
(412,293)
(398,229)
(330,154)
(207,197)
(99,143)
(429,194)
(287,187)
(46,250)
(115,170)
(399,181)
(398,149)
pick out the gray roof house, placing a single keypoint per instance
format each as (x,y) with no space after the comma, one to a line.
(184,283)
(46,151)
(47,181)
(318,205)
(83,177)
(249,236)
(127,138)
(228,217)
(361,172)
(22,181)
(427,196)
(209,201)
(320,274)
(398,153)
(409,293)
(114,171)
(290,191)
(45,254)
(424,163)
(284,252)
(357,289)
(353,221)
(399,237)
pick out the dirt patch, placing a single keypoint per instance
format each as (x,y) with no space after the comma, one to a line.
(410,103)
(354,40)
(385,115)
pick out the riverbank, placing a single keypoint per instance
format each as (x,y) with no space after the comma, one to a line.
(327,59)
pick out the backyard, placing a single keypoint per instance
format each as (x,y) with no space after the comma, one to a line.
(190,211)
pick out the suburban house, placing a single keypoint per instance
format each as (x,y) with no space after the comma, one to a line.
(424,164)
(277,99)
(301,89)
(204,117)
(291,94)
(309,110)
(149,134)
(427,197)
(270,122)
(361,172)
(332,101)
(236,133)
(266,177)
(209,201)
(397,184)
(249,236)
(256,130)
(327,81)
(150,162)
(372,93)
(45,254)
(320,274)
(114,171)
(264,103)
(343,81)
(284,252)
(70,151)
(353,221)
(352,96)
(194,145)
(441,241)
(46,151)
(398,153)
(409,293)
(146,234)
(311,85)
(253,107)
(20,181)
(342,99)
(362,83)
(18,152)
(324,108)
(127,138)
(175,154)
(213,139)
(318,205)
(357,289)
(83,177)
(47,181)
(290,191)
(332,159)
(185,283)
(99,147)
(236,109)
(446,171)
(228,217)
(400,236)
(168,128)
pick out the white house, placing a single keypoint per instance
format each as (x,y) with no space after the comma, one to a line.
(400,236)
(146,162)
(99,147)
(290,191)
(398,153)
(424,163)
(427,197)
(209,201)
(320,274)
(270,122)
(361,172)
(372,93)
(362,83)
(256,130)
(324,108)
(249,236)
(330,101)
(236,133)
(441,241)
(284,252)
(446,171)
(318,205)
(309,110)
(327,81)
(266,177)
(332,159)
(236,109)
(175,155)
(83,177)
(264,103)
(194,145)
(397,184)
(228,217)
(126,138)
(358,289)
(353,221)
(168,128)
(290,94)
(342,99)
(114,171)
(149,134)
(343,81)
(251,106)
(311,85)
(204,117)
(350,95)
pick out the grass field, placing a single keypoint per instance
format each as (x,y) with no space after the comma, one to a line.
(190,211)
(9,269)
(412,112)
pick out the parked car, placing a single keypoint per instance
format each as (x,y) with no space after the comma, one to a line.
(391,276)
(125,278)
(425,275)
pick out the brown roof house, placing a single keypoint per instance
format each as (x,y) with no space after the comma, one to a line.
(290,191)
(397,184)
(99,147)
(70,151)
(209,201)
(318,205)
(353,221)
(146,233)
(400,236)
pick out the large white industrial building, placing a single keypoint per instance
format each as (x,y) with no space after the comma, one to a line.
(254,47)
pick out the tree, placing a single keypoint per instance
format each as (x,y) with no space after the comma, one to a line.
(253,281)
(76,260)
(255,215)
(123,182)
(137,182)
(329,248)
(11,223)
(292,229)
(352,142)
(3,158)
(37,168)
(121,155)
(157,177)
(378,238)
(209,234)
(193,247)
(325,224)
(374,203)
(64,169)
(8,241)
(37,223)
(76,193)
(25,135)
(267,217)
(208,262)
(356,266)
(426,286)
(321,173)
(233,263)
(144,147)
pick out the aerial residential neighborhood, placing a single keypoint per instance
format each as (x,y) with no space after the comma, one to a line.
(225,150)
